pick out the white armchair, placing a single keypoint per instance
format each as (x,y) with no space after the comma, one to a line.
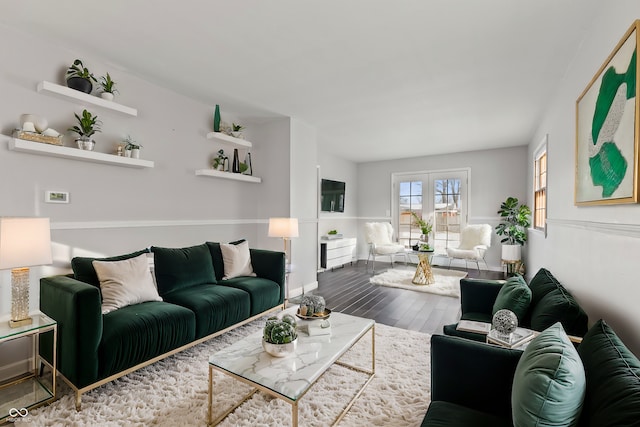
(379,236)
(475,239)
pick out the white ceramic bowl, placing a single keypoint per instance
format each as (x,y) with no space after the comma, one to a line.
(280,350)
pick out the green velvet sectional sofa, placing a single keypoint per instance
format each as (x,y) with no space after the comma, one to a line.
(544,302)
(95,348)
(549,384)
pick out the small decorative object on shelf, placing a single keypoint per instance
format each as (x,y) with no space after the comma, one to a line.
(120,150)
(279,337)
(505,322)
(131,148)
(79,77)
(108,87)
(236,130)
(216,119)
(247,162)
(221,162)
(235,166)
(87,125)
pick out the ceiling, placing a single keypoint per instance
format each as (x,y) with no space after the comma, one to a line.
(378,79)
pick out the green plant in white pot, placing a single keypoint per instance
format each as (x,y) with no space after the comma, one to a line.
(515,219)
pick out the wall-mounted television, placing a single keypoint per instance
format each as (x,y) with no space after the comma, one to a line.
(331,196)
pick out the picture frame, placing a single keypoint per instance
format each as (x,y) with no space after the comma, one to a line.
(607,124)
(56,197)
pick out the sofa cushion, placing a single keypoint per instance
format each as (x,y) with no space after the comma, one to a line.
(179,268)
(613,379)
(125,282)
(236,259)
(549,382)
(514,295)
(83,268)
(216,307)
(559,306)
(541,284)
(448,414)
(216,257)
(263,293)
(136,333)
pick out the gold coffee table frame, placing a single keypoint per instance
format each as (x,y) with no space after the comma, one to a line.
(294,402)
(424,275)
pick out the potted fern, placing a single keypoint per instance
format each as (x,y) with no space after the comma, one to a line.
(515,218)
(87,126)
(79,77)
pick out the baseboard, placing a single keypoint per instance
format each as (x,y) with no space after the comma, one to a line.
(9,371)
(307,288)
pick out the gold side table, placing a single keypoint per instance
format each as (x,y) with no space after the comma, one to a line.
(28,390)
(424,275)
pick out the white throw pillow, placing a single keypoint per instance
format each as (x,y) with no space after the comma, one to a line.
(125,282)
(237,260)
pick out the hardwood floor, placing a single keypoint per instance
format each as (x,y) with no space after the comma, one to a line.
(348,290)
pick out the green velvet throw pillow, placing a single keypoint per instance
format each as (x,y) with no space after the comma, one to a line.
(178,268)
(514,295)
(549,382)
(541,284)
(613,379)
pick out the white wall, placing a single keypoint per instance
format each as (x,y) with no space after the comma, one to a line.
(591,250)
(495,174)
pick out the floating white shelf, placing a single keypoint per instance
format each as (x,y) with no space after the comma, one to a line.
(226,139)
(228,175)
(76,154)
(83,98)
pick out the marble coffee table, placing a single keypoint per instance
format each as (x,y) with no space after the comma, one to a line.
(289,378)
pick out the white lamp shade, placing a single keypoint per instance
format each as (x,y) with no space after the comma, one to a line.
(283,227)
(24,242)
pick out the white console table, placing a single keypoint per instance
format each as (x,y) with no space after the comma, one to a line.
(337,252)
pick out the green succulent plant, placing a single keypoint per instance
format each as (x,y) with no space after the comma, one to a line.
(280,331)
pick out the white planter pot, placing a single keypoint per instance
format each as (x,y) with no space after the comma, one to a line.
(127,153)
(135,153)
(511,252)
(106,95)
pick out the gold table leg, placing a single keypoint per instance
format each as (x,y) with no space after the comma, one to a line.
(424,275)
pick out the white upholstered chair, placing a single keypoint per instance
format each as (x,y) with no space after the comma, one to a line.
(379,237)
(475,239)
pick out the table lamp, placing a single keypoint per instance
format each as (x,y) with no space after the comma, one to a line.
(24,242)
(286,228)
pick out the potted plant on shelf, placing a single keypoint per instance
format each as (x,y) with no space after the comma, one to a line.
(279,337)
(425,228)
(221,161)
(79,77)
(108,87)
(236,130)
(515,220)
(131,148)
(87,126)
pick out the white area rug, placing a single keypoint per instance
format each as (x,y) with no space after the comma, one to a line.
(174,391)
(447,281)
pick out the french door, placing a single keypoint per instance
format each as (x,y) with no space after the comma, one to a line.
(438,197)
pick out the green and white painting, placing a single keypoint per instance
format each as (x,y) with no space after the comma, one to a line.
(606,140)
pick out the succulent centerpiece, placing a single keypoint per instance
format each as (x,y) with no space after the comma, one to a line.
(312,305)
(280,337)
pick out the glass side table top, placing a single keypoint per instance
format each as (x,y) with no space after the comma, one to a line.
(291,376)
(40,321)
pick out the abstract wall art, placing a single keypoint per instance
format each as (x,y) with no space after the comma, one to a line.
(607,129)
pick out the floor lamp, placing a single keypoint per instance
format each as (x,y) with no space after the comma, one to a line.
(285,228)
(24,242)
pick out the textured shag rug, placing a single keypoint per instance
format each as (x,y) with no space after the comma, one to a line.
(174,391)
(447,281)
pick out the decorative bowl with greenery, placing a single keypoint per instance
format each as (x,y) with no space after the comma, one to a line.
(108,87)
(87,126)
(79,77)
(279,336)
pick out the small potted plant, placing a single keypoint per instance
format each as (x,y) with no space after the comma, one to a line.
(108,87)
(87,126)
(236,130)
(425,227)
(131,147)
(279,337)
(79,77)
(221,161)
(515,220)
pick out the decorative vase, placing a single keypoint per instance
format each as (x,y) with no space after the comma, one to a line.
(247,161)
(280,350)
(216,119)
(107,95)
(235,166)
(135,153)
(127,153)
(79,83)
(85,143)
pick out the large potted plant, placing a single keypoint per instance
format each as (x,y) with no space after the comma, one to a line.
(515,218)
(79,77)
(87,125)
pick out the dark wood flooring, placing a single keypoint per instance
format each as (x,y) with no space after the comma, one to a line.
(348,290)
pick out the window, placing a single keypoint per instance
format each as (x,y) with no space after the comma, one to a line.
(540,191)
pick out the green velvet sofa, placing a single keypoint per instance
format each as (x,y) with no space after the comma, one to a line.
(95,348)
(549,302)
(474,384)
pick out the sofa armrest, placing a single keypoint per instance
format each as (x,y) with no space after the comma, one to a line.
(76,306)
(472,374)
(270,265)
(478,295)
